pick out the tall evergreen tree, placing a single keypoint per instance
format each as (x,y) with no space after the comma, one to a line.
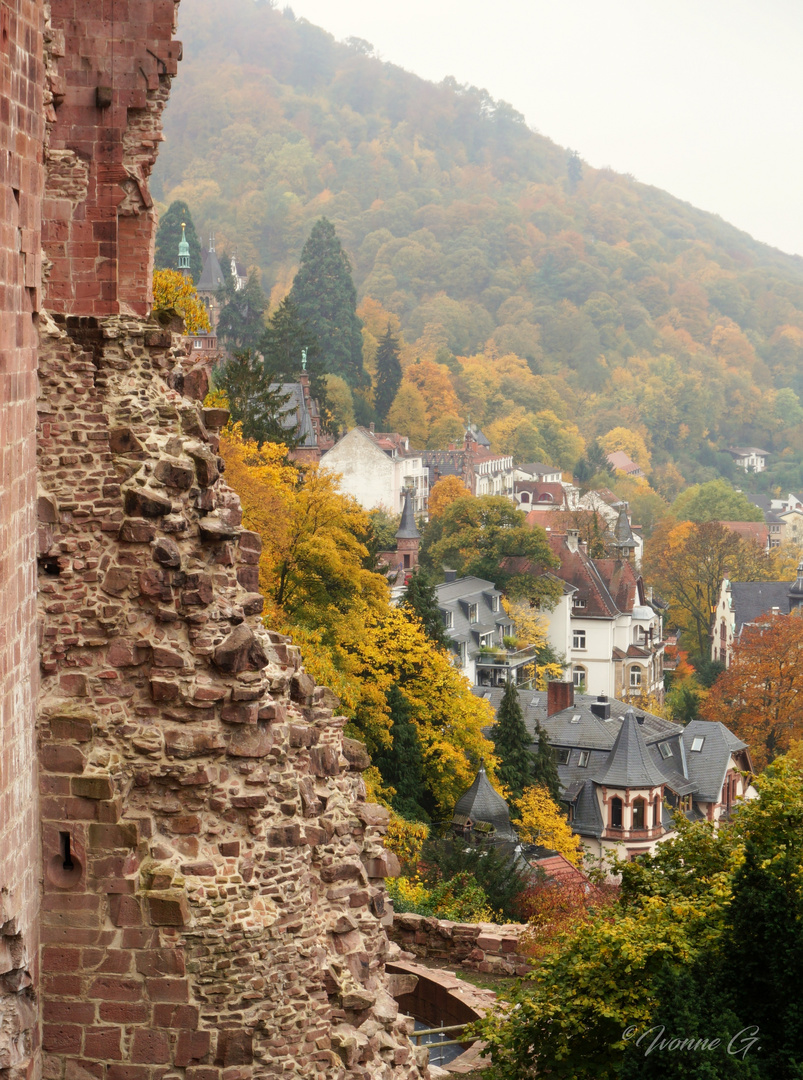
(254,399)
(168,237)
(421,599)
(402,765)
(283,342)
(545,765)
(324,294)
(512,743)
(241,322)
(388,373)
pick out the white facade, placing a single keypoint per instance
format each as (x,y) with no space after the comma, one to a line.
(494,477)
(749,458)
(376,477)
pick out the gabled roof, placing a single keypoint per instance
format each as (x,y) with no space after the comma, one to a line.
(482,803)
(620,460)
(629,763)
(752,599)
(749,530)
(708,766)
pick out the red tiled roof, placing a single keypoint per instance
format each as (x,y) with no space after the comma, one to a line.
(749,530)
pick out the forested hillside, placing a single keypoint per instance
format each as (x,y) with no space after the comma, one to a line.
(537,293)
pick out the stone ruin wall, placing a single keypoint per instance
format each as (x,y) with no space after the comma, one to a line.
(211,875)
(21,137)
(485,947)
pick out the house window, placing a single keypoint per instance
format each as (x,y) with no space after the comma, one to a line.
(666,749)
(198,344)
(486,640)
(635,678)
(656,811)
(462,653)
(639,814)
(472,613)
(697,743)
(579,675)
(448,619)
(616,812)
(578,639)
(494,603)
(578,601)
(583,760)
(563,757)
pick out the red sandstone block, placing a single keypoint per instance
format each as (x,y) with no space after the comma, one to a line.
(123,1012)
(71,902)
(150,1047)
(140,939)
(125,910)
(167,989)
(110,989)
(203,1072)
(68,935)
(54,785)
(61,1038)
(113,836)
(107,961)
(77,728)
(69,1012)
(57,809)
(175,1016)
(234,1047)
(160,962)
(65,759)
(128,1072)
(79,1069)
(103,1043)
(62,985)
(192,1046)
(54,959)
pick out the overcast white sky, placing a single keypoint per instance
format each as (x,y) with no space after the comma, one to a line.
(703,98)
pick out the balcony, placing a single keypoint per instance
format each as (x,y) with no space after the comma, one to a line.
(496,665)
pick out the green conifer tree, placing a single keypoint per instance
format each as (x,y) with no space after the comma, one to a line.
(324,294)
(254,399)
(168,237)
(285,339)
(545,765)
(241,324)
(421,599)
(388,373)
(402,765)
(512,743)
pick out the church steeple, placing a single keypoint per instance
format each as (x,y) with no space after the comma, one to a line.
(184,253)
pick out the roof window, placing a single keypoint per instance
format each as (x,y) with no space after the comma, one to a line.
(697,743)
(666,749)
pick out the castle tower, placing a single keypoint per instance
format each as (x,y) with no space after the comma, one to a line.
(183,254)
(408,538)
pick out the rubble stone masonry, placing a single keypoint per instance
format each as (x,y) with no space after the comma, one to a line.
(206,900)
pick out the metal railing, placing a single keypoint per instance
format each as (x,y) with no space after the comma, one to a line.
(441,1031)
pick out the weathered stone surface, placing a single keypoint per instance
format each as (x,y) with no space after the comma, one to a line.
(206,470)
(184,743)
(122,440)
(137,531)
(250,741)
(240,651)
(166,553)
(356,755)
(214,529)
(215,419)
(146,502)
(174,473)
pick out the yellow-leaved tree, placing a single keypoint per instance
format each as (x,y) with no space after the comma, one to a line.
(173,291)
(531,631)
(443,493)
(541,822)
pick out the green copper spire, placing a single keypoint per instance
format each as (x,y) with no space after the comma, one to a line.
(183,252)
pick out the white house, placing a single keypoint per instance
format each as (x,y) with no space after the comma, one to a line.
(749,458)
(377,467)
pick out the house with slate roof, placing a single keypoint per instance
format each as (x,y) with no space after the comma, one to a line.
(746,603)
(476,622)
(613,635)
(625,772)
(377,468)
(482,814)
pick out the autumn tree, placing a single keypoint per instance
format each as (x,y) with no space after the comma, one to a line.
(714,501)
(408,415)
(512,743)
(760,696)
(629,442)
(174,292)
(176,218)
(443,493)
(687,561)
(324,293)
(388,373)
(484,536)
(540,821)
(446,432)
(421,600)
(287,344)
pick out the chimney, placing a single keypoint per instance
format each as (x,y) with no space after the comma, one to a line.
(449,574)
(560,696)
(371,427)
(601,707)
(572,539)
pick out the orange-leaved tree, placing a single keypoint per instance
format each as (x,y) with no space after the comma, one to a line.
(444,492)
(760,696)
(173,291)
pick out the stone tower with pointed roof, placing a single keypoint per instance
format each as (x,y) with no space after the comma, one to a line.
(184,253)
(210,284)
(481,812)
(408,538)
(624,543)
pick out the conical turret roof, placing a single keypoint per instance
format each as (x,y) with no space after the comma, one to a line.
(482,803)
(407,528)
(622,532)
(629,763)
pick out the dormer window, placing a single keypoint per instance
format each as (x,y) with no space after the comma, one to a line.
(665,749)
(448,619)
(472,613)
(583,759)
(563,757)
(578,602)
